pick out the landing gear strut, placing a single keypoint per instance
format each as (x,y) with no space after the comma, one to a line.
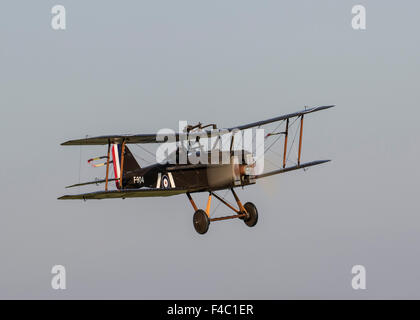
(201,219)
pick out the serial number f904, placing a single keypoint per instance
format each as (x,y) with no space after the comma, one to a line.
(241,309)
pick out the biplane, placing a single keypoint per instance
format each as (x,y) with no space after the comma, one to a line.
(162,179)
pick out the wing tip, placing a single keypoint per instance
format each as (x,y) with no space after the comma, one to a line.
(71,197)
(327,160)
(325,107)
(320,161)
(66,143)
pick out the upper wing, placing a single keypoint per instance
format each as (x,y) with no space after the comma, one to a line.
(279,118)
(128,193)
(151,138)
(137,138)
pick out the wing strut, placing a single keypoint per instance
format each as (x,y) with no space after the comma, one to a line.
(107,166)
(286,133)
(300,138)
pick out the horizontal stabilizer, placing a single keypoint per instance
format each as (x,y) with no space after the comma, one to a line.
(301,166)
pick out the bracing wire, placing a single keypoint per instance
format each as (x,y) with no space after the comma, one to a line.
(294,138)
(144,149)
(141,158)
(290,126)
(219,203)
(275,141)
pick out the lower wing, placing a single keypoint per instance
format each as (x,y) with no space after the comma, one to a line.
(128,193)
(301,166)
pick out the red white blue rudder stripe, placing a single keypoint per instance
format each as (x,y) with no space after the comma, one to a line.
(116,156)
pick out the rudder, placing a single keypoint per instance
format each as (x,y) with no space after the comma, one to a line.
(130,163)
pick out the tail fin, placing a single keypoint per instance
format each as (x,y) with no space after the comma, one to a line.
(130,163)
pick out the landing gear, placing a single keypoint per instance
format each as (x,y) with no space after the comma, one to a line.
(201,219)
(251,218)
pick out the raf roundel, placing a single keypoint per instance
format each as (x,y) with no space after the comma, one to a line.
(165,182)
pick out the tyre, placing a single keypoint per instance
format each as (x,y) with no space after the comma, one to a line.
(201,221)
(251,218)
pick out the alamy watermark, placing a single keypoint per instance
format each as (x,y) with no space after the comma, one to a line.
(58,281)
(358,22)
(215,146)
(358,282)
(58,21)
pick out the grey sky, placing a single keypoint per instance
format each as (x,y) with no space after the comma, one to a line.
(139,66)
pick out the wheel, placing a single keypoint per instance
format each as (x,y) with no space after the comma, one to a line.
(201,221)
(251,218)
